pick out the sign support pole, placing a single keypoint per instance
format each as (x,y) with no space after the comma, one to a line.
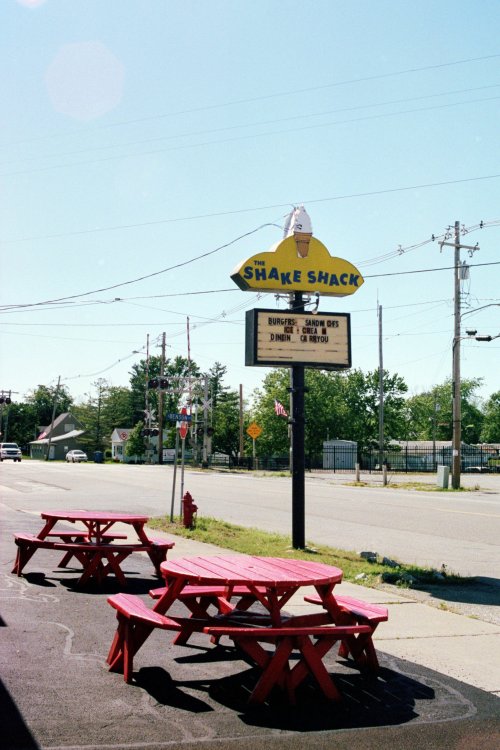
(182,473)
(297,442)
(174,477)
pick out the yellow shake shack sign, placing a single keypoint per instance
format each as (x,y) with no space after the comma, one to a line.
(285,268)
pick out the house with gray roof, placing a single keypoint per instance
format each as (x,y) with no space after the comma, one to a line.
(57,438)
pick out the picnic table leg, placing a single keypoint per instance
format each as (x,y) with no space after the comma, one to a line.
(64,562)
(91,561)
(117,641)
(312,662)
(24,553)
(157,556)
(275,671)
(361,649)
(126,643)
(114,559)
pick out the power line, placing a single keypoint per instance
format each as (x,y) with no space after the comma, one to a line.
(292,92)
(287,205)
(400,251)
(149,275)
(429,270)
(259,123)
(241,137)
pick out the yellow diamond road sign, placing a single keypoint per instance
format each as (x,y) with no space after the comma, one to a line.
(254,430)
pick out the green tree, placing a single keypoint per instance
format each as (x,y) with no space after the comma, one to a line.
(490,432)
(274,440)
(225,405)
(325,409)
(43,397)
(19,424)
(143,372)
(135,442)
(361,398)
(97,435)
(337,405)
(116,410)
(431,412)
(216,385)
(226,424)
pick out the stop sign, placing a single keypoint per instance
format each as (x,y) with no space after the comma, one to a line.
(184,426)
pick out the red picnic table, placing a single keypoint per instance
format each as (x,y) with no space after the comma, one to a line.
(94,543)
(270,581)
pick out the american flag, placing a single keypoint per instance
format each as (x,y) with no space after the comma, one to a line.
(280,409)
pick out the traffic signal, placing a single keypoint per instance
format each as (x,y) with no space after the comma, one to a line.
(5,400)
(210,431)
(158,383)
(199,431)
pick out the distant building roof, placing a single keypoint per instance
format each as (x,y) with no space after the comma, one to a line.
(59,438)
(121,434)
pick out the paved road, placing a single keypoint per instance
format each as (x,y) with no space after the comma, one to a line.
(426,528)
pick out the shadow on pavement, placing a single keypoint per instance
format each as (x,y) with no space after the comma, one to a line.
(388,699)
(15,733)
(69,577)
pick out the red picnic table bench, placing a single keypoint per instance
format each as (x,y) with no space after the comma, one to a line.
(200,581)
(94,544)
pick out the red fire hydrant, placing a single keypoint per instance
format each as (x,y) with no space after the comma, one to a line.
(188,511)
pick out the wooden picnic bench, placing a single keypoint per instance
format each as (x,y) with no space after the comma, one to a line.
(356,611)
(312,642)
(133,618)
(231,584)
(79,537)
(199,598)
(95,546)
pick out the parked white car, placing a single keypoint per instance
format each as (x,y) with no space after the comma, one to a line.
(10,450)
(76,456)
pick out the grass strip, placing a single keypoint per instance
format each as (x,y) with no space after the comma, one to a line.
(252,541)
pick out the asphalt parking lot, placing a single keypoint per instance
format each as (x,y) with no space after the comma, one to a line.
(58,693)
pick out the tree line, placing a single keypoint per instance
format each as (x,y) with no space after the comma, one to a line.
(338,405)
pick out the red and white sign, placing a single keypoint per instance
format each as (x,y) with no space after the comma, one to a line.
(184,426)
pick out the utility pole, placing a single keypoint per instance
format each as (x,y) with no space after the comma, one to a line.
(381,391)
(160,403)
(5,398)
(456,384)
(241,423)
(53,417)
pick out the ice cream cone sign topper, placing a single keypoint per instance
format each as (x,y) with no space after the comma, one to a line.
(301,230)
(298,263)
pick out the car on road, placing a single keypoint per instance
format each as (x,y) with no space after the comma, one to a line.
(76,456)
(10,450)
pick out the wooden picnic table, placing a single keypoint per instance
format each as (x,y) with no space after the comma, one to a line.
(93,543)
(270,581)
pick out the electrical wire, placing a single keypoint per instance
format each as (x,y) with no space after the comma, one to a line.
(304,202)
(250,136)
(400,251)
(264,97)
(149,275)
(260,123)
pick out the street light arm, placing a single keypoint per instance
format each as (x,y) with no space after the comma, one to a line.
(477,309)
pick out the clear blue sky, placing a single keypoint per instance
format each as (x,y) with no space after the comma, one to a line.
(138,135)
